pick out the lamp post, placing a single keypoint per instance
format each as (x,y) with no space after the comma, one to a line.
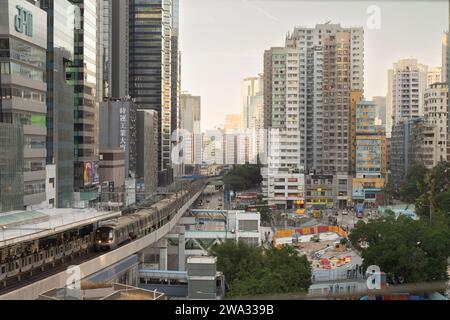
(3,232)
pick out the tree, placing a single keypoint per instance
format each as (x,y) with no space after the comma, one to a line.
(414,185)
(436,192)
(254,270)
(243,177)
(407,250)
(266,214)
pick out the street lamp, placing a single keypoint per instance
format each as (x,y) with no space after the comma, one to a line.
(3,231)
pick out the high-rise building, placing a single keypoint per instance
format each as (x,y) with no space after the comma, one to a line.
(252,135)
(147,155)
(370,155)
(445,56)
(233,122)
(436,115)
(252,99)
(60,97)
(175,66)
(107,27)
(310,81)
(355,98)
(23,87)
(434,75)
(11,167)
(117,129)
(399,155)
(380,110)
(407,81)
(189,118)
(150,39)
(86,79)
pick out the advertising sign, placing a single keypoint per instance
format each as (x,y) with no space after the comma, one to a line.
(87,173)
(95,172)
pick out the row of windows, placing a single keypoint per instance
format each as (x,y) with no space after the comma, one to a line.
(22,70)
(33,188)
(33,165)
(34,142)
(24,93)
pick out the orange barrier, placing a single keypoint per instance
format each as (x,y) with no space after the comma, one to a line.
(307,231)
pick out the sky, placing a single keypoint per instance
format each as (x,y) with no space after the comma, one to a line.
(223,41)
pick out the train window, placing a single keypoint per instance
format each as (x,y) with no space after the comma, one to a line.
(24,262)
(3,269)
(41,256)
(17,265)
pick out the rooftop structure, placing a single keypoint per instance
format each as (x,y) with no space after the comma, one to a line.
(102,292)
(18,226)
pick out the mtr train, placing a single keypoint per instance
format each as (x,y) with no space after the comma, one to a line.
(22,260)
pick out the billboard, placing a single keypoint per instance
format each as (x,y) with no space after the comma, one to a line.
(87,173)
(95,172)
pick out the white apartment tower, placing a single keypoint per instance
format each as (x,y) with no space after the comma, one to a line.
(407,81)
(436,116)
(310,80)
(434,76)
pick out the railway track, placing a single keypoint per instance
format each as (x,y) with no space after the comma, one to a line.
(14,283)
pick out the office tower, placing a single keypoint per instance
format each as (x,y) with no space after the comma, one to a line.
(87,82)
(434,75)
(117,48)
(117,130)
(175,66)
(233,122)
(310,81)
(147,155)
(190,117)
(11,167)
(407,81)
(380,110)
(23,46)
(252,96)
(190,111)
(251,99)
(60,97)
(150,65)
(445,56)
(107,49)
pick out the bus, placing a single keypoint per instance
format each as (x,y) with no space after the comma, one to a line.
(359,209)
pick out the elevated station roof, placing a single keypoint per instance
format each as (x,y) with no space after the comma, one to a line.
(20,226)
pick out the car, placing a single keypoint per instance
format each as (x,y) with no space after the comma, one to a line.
(344,212)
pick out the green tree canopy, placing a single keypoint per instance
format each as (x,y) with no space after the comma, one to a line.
(243,177)
(254,271)
(407,250)
(414,184)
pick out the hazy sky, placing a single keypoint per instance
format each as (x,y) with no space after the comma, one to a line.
(223,41)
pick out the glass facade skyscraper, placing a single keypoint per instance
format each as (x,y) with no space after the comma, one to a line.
(60,97)
(23,89)
(150,24)
(84,78)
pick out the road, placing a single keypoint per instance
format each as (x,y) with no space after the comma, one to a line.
(349,220)
(211,199)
